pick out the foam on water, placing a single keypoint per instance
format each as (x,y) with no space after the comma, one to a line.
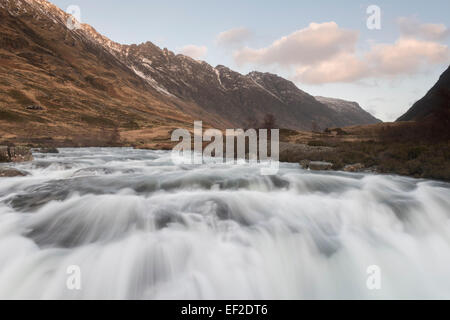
(141,227)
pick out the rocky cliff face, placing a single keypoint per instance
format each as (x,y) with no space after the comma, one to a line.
(90,85)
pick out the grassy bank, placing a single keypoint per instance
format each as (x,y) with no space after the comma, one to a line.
(420,150)
(419,160)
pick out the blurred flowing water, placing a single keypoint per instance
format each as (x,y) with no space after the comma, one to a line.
(140,227)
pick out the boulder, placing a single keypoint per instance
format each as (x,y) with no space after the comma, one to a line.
(20,154)
(354,167)
(304,164)
(320,165)
(15,154)
(11,172)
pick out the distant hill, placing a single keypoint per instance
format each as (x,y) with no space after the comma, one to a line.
(349,111)
(435,104)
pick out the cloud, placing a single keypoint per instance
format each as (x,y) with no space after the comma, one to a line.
(325,53)
(406,56)
(412,27)
(341,68)
(193,51)
(233,37)
(313,44)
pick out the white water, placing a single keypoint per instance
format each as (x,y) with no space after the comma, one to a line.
(140,227)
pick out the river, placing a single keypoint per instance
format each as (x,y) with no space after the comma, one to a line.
(138,226)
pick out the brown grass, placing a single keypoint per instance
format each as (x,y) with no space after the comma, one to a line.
(420,150)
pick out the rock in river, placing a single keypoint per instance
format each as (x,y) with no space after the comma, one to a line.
(354,167)
(11,172)
(15,154)
(320,165)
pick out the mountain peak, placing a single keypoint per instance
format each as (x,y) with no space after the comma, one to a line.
(147,79)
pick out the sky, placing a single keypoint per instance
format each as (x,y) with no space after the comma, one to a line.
(385,55)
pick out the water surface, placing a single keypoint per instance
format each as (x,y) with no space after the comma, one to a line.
(140,227)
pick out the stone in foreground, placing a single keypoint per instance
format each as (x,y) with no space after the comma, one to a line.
(15,154)
(320,165)
(354,167)
(11,172)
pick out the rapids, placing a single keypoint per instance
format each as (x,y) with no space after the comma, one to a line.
(140,227)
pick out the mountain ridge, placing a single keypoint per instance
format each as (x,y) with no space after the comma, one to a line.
(98,83)
(435,103)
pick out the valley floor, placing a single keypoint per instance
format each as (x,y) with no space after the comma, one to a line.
(407,148)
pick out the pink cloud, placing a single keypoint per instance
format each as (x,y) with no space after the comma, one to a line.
(312,44)
(193,51)
(344,67)
(233,37)
(324,53)
(412,27)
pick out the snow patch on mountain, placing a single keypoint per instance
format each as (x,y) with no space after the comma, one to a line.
(152,82)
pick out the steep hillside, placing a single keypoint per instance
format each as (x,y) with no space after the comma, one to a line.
(85,87)
(435,104)
(82,88)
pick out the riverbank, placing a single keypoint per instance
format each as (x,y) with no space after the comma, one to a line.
(413,160)
(417,160)
(407,149)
